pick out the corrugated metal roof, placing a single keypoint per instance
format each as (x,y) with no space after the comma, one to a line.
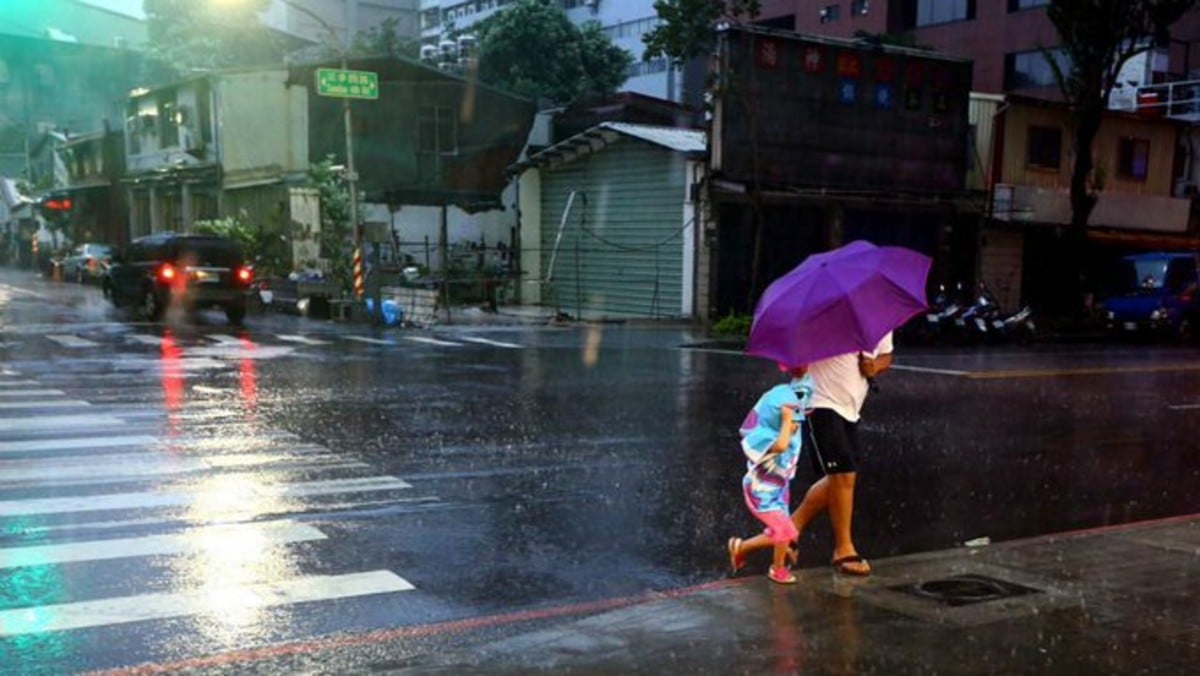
(679,140)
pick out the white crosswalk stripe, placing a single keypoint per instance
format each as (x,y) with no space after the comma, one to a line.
(196,540)
(228,346)
(220,504)
(489,341)
(67,340)
(215,601)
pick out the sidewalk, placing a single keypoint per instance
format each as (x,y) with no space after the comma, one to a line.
(1119,600)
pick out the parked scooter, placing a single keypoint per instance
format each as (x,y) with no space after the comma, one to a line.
(945,308)
(1018,326)
(974,323)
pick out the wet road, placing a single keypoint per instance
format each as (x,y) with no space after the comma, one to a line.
(172,492)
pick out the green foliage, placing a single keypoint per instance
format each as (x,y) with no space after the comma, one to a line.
(385,40)
(685,28)
(733,325)
(336,236)
(199,35)
(533,50)
(268,249)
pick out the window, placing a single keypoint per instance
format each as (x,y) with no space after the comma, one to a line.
(1045,147)
(860,7)
(930,12)
(1031,69)
(437,130)
(1018,5)
(1133,158)
(830,13)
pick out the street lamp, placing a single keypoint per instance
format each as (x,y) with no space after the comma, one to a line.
(342,48)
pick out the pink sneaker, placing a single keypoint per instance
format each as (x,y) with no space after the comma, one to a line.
(781,575)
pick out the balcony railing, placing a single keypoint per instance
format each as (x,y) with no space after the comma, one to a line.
(1176,100)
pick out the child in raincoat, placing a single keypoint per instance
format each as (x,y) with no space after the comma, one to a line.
(771,443)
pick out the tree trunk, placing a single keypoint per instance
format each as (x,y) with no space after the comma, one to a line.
(1083,201)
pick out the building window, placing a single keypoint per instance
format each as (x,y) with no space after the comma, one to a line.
(1045,147)
(1031,69)
(830,13)
(1018,5)
(437,130)
(1133,158)
(860,7)
(930,12)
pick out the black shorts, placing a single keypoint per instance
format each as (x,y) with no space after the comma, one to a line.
(832,442)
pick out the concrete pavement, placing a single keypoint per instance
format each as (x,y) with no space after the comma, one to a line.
(1117,600)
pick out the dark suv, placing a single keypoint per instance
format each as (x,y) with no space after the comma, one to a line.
(193,270)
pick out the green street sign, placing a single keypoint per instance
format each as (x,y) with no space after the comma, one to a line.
(347,84)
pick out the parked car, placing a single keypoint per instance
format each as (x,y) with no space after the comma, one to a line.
(87,263)
(197,271)
(1156,293)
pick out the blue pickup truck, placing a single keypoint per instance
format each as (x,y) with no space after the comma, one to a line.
(1156,292)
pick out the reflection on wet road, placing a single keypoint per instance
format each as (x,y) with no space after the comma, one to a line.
(170,492)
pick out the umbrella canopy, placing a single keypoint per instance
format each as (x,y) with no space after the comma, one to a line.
(840,301)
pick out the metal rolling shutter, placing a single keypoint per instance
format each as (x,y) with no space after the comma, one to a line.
(621,254)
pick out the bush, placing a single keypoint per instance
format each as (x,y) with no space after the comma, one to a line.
(733,325)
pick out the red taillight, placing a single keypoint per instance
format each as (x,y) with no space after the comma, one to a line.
(167,272)
(245,275)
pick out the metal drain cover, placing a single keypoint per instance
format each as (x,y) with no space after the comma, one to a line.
(964,590)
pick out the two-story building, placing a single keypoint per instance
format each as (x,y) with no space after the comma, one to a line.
(240,144)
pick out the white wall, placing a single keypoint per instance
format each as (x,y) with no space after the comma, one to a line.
(413,226)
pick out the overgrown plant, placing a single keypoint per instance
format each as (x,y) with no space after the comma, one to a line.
(336,243)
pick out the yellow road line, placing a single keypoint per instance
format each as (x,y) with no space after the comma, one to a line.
(1054,373)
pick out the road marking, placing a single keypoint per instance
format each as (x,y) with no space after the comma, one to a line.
(31,393)
(100,469)
(243,660)
(44,403)
(303,340)
(144,339)
(372,341)
(75,443)
(203,540)
(215,602)
(922,369)
(224,339)
(1096,371)
(1183,407)
(17,383)
(247,489)
(432,341)
(58,422)
(206,389)
(67,340)
(488,341)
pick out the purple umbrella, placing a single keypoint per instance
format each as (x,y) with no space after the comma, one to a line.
(840,301)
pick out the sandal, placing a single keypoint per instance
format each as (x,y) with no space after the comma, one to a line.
(781,575)
(846,565)
(736,558)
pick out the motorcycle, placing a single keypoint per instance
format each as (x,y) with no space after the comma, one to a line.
(1018,326)
(943,312)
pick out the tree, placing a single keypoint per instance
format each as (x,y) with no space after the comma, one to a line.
(532,49)
(685,28)
(334,197)
(187,36)
(384,40)
(1098,38)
